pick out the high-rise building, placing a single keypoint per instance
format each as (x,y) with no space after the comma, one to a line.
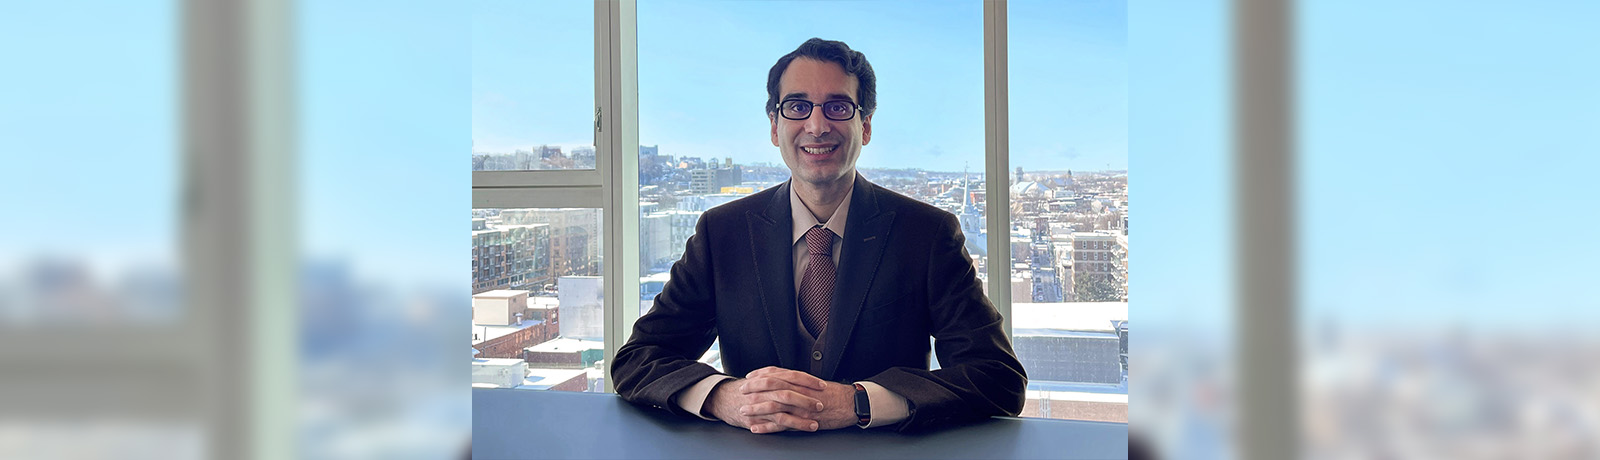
(574,237)
(652,165)
(583,157)
(509,256)
(1099,257)
(709,181)
(662,235)
(702,181)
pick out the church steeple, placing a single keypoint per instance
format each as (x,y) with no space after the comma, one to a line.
(966,192)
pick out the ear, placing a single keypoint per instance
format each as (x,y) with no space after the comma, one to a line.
(866,129)
(774,120)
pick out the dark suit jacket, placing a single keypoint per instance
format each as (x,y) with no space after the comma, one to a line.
(903,276)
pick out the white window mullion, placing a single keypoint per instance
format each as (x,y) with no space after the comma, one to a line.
(997,198)
(481,179)
(617,157)
(537,189)
(538,197)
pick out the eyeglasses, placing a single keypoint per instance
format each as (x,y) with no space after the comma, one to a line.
(800,109)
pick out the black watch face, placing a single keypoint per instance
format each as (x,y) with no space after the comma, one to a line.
(863,407)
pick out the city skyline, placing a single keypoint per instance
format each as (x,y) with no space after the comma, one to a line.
(1068,278)
(774,163)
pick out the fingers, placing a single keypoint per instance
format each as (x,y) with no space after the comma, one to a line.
(787,392)
(797,400)
(783,421)
(781,401)
(777,400)
(788,375)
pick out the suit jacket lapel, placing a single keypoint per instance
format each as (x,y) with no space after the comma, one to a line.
(867,232)
(774,264)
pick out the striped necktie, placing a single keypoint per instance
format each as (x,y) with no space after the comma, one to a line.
(816,286)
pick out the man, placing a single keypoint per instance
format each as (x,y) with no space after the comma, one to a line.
(823,290)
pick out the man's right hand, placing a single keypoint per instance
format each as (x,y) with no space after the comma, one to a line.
(766,405)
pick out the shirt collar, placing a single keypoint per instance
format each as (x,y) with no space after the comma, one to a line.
(803,220)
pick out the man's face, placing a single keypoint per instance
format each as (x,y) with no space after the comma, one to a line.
(818,150)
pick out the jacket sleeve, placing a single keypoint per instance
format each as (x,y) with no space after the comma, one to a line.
(659,359)
(979,375)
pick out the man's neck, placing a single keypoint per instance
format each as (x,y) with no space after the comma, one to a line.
(823,199)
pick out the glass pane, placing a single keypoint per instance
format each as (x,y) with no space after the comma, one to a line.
(538,321)
(92,226)
(1069,206)
(704,145)
(532,85)
(382,88)
(1418,331)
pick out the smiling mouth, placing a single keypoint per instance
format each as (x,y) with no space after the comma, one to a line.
(819,150)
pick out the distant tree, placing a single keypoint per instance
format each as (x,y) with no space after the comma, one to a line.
(1096,287)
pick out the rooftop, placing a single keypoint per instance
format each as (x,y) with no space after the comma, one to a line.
(566,345)
(488,333)
(500,294)
(1054,319)
(543,379)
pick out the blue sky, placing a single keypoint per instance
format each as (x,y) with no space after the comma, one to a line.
(384,118)
(1447,173)
(703,66)
(1180,269)
(1442,175)
(88,107)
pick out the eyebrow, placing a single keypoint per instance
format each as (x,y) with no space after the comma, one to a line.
(831,97)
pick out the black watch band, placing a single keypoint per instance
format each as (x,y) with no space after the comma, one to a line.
(863,407)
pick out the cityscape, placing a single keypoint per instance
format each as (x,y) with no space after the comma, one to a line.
(537,291)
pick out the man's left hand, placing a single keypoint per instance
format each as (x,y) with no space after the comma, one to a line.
(838,399)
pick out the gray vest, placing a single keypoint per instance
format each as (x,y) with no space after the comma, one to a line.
(810,348)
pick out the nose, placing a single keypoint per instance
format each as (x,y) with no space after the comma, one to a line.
(817,125)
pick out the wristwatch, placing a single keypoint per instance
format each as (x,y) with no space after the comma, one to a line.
(863,407)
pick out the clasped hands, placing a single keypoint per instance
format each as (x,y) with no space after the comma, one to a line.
(774,399)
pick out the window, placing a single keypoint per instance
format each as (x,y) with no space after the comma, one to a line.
(91,131)
(544,213)
(1069,197)
(97,249)
(532,85)
(927,147)
(538,318)
(688,140)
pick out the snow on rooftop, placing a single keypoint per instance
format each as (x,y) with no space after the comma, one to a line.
(500,294)
(544,379)
(567,345)
(487,333)
(544,302)
(1060,318)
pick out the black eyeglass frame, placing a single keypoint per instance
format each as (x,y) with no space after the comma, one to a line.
(810,106)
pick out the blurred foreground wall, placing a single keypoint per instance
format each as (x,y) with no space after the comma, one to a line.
(1439,171)
(225,231)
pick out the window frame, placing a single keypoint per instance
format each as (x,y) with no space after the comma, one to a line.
(613,184)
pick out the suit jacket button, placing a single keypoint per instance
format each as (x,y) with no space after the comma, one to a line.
(816,355)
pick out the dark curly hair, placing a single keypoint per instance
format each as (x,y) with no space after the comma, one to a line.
(853,61)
